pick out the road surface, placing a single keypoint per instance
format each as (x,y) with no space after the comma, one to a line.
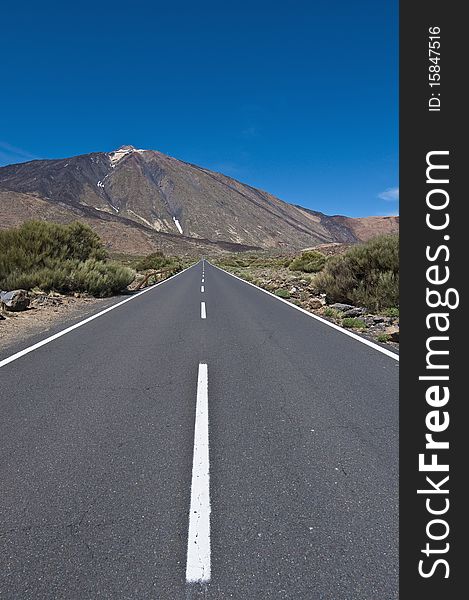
(200,440)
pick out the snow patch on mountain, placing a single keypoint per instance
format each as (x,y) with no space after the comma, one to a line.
(100,183)
(178,225)
(116,155)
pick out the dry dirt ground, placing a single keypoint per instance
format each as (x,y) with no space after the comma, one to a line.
(45,312)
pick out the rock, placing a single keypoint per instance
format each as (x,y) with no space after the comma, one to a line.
(15,300)
(393,333)
(341,307)
(315,303)
(377,326)
(355,312)
(293,290)
(385,320)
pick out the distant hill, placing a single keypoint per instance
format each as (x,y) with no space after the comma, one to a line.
(141,200)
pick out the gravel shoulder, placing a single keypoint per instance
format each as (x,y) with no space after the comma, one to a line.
(45,313)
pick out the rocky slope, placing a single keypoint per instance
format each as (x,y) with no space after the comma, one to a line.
(139,200)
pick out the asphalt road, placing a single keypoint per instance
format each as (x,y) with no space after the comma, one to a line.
(98,469)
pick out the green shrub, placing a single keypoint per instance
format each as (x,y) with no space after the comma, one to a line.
(331,312)
(383,337)
(64,258)
(309,262)
(99,278)
(37,242)
(282,293)
(351,322)
(366,275)
(235,260)
(154,261)
(391,312)
(254,260)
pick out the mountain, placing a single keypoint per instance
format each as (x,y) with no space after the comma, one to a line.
(141,200)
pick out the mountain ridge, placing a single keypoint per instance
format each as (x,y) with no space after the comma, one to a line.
(173,204)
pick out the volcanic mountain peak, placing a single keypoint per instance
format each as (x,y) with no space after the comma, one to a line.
(149,195)
(116,155)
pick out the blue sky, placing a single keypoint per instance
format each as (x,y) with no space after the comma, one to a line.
(298,98)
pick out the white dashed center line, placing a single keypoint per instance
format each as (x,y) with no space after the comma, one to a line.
(198,542)
(203,312)
(202,289)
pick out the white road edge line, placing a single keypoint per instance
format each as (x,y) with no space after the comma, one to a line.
(203,312)
(51,338)
(202,289)
(198,541)
(313,316)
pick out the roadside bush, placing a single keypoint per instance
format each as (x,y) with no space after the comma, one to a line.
(331,312)
(94,277)
(366,275)
(99,278)
(235,261)
(35,242)
(383,337)
(308,262)
(252,260)
(351,322)
(282,293)
(158,261)
(63,258)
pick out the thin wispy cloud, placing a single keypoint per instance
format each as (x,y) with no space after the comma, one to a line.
(390,195)
(12,154)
